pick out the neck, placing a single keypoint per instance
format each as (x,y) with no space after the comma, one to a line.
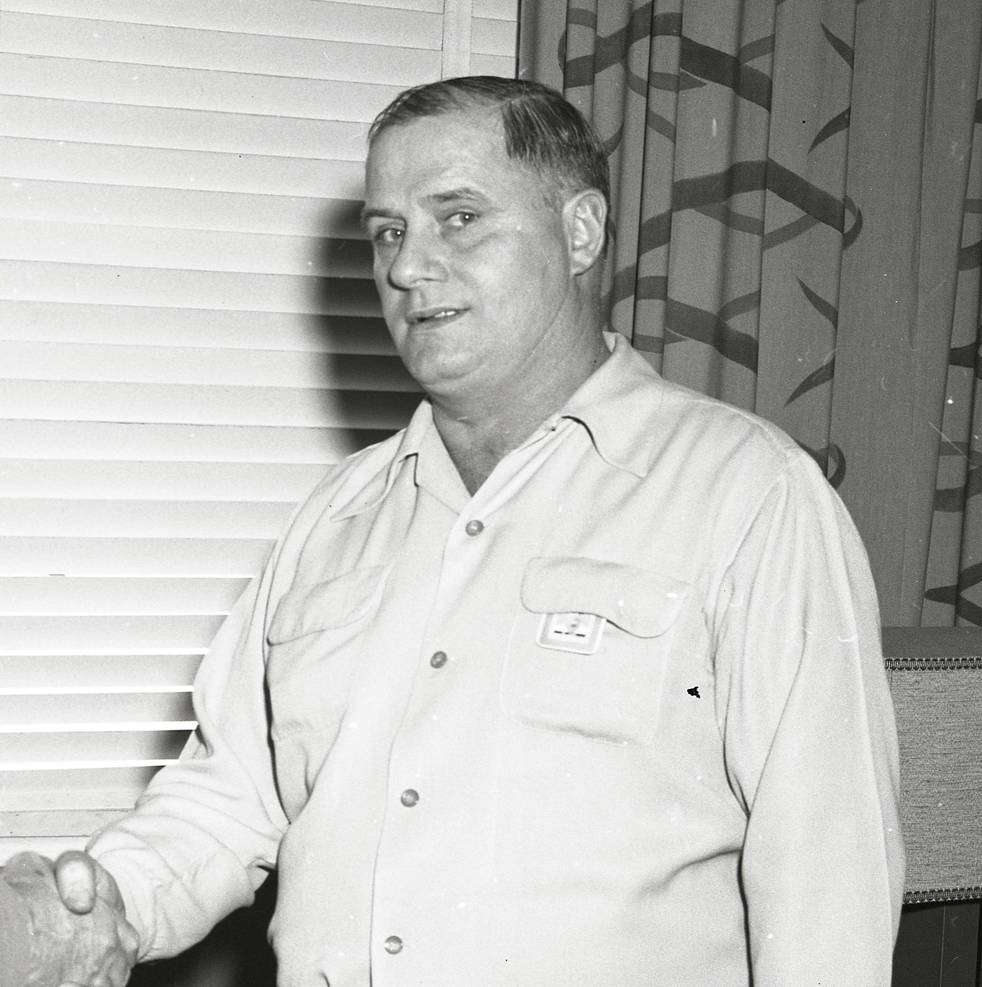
(479,432)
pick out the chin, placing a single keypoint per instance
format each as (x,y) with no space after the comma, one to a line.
(440,376)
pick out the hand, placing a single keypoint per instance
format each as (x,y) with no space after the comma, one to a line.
(80,934)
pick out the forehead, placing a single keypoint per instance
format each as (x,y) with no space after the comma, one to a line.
(431,154)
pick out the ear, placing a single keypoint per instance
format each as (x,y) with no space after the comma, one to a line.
(586,225)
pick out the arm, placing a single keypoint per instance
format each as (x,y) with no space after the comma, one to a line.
(205,834)
(811,743)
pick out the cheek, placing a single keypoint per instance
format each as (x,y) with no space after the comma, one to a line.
(533,280)
(388,296)
(520,269)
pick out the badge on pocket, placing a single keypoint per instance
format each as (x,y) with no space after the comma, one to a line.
(578,633)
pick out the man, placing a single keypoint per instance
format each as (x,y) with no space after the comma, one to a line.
(576,680)
(53,926)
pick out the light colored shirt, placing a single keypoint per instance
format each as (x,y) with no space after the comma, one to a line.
(620,718)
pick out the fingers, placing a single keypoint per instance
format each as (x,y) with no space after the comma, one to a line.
(129,941)
(119,971)
(113,973)
(28,870)
(76,878)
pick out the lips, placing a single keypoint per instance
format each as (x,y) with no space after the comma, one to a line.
(434,315)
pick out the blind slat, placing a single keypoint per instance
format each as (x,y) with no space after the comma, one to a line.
(351,23)
(32,517)
(309,174)
(96,441)
(124,743)
(113,557)
(103,284)
(492,64)
(186,404)
(53,823)
(184,250)
(95,671)
(194,328)
(116,205)
(88,80)
(81,788)
(392,65)
(53,632)
(25,712)
(431,6)
(153,365)
(82,479)
(504,10)
(492,36)
(193,130)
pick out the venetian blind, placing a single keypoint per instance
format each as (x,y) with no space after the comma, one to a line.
(188,335)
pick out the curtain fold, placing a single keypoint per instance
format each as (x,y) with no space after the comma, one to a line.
(797,191)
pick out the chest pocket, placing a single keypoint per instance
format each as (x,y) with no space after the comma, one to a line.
(313,646)
(316,642)
(587,653)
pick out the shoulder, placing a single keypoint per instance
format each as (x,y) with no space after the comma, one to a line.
(665,418)
(711,444)
(707,421)
(356,475)
(727,470)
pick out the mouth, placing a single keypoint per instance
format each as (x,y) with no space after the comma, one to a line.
(436,315)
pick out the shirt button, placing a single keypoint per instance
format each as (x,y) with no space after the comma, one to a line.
(438,659)
(474,527)
(393,945)
(409,797)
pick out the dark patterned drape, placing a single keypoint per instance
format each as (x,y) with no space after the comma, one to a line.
(798,205)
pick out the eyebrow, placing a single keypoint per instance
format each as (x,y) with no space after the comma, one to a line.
(367,214)
(456,194)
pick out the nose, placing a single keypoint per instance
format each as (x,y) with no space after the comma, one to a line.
(418,258)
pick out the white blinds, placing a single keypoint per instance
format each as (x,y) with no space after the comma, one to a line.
(188,334)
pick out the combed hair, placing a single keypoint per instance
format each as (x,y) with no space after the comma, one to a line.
(542,130)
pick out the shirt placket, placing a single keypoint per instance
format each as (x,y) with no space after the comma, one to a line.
(433,880)
(429,858)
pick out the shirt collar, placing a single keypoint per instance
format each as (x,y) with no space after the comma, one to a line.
(367,495)
(608,404)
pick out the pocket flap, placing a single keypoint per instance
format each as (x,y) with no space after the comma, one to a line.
(638,601)
(332,603)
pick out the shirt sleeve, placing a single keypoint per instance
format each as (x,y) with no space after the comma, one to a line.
(15,938)
(810,742)
(205,833)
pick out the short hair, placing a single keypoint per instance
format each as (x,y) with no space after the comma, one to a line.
(542,129)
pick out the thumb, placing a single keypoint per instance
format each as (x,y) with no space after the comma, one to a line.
(75,875)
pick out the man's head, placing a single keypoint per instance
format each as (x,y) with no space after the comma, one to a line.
(487,247)
(542,130)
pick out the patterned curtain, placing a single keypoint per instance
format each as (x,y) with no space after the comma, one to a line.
(798,209)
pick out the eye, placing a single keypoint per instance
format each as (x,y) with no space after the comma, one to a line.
(387,236)
(462,218)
